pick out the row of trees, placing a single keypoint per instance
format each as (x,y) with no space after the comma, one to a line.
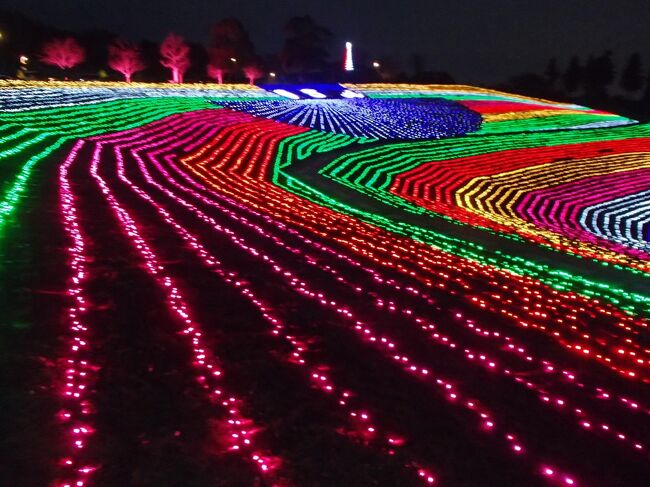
(307,55)
(597,74)
(126,58)
(230,51)
(596,81)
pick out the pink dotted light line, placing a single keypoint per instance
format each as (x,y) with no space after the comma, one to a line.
(534,314)
(360,327)
(548,469)
(584,423)
(577,328)
(240,429)
(315,372)
(358,415)
(571,377)
(482,304)
(512,347)
(80,373)
(483,359)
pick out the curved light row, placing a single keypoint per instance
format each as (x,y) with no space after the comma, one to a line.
(33,136)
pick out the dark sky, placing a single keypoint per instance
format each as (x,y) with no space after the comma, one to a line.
(476,40)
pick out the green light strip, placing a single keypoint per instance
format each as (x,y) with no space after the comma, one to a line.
(56,126)
(559,279)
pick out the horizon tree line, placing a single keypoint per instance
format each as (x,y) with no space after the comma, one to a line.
(229,53)
(597,75)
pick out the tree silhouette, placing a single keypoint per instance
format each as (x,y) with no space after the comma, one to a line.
(175,55)
(220,63)
(125,58)
(599,74)
(63,53)
(305,49)
(606,72)
(532,84)
(253,71)
(417,62)
(646,91)
(230,34)
(230,47)
(632,77)
(572,78)
(551,73)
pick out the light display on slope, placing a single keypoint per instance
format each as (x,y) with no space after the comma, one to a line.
(358,171)
(493,185)
(232,187)
(49,130)
(495,105)
(478,332)
(20,96)
(224,162)
(241,430)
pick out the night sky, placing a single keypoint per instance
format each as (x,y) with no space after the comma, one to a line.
(478,41)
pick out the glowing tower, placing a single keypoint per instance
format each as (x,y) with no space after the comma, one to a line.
(348,65)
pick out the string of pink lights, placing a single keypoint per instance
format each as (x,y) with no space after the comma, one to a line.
(510,346)
(302,287)
(358,415)
(240,429)
(79,370)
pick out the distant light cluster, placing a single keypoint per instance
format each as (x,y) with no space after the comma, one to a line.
(369,118)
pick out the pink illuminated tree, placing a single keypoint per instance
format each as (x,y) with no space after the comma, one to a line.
(216,73)
(175,55)
(63,53)
(221,63)
(125,58)
(230,48)
(253,71)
